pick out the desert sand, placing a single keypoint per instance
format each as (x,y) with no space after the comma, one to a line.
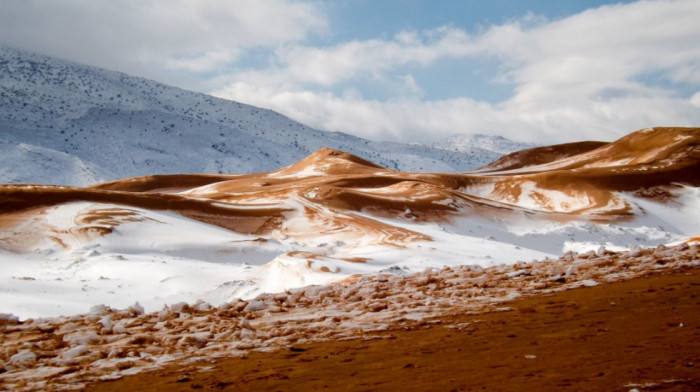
(640,334)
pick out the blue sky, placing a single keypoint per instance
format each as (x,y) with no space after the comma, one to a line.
(410,71)
(367,19)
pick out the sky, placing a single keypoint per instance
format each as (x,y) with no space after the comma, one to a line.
(401,70)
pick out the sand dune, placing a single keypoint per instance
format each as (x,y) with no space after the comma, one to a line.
(333,206)
(572,178)
(539,156)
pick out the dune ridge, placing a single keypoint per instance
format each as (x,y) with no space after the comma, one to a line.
(644,159)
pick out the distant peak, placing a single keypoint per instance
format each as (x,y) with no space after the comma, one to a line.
(466,142)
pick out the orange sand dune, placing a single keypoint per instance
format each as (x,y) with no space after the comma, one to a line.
(160,183)
(641,160)
(571,180)
(539,155)
(671,149)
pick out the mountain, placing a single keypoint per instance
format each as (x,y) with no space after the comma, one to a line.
(86,125)
(468,143)
(333,216)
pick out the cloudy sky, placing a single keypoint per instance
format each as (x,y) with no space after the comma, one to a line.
(403,70)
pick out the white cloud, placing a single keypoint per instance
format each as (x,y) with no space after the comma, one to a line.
(328,66)
(584,76)
(695,99)
(149,37)
(607,46)
(578,77)
(414,120)
(202,62)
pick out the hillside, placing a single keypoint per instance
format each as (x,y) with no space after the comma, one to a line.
(91,125)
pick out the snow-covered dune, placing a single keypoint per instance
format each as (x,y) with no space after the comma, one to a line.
(165,239)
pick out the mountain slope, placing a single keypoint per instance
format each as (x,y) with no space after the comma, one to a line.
(45,165)
(120,126)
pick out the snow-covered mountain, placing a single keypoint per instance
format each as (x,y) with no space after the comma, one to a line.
(71,124)
(468,142)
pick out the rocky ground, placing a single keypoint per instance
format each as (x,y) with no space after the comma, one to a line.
(467,316)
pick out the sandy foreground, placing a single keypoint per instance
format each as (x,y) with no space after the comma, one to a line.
(640,334)
(595,321)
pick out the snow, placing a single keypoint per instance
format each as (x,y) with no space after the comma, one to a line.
(23,358)
(166,259)
(162,258)
(71,354)
(106,322)
(119,329)
(254,306)
(81,339)
(310,171)
(22,162)
(588,283)
(536,198)
(137,309)
(467,143)
(180,260)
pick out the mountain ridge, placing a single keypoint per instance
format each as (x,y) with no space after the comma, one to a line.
(465,142)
